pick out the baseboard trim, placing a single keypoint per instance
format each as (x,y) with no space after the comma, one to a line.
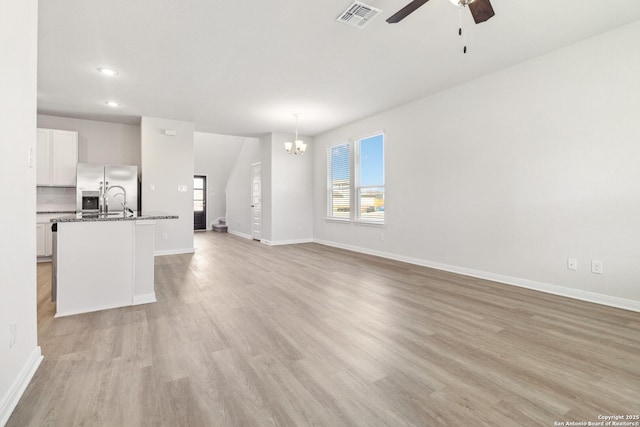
(548,288)
(89,310)
(135,300)
(239,234)
(15,392)
(144,299)
(286,242)
(174,252)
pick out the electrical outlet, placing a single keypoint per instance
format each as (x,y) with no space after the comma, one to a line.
(165,236)
(596,267)
(572,264)
(13,334)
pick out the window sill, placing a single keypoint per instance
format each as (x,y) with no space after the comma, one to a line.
(369,223)
(343,220)
(356,222)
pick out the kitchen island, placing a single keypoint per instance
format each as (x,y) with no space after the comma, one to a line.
(103,261)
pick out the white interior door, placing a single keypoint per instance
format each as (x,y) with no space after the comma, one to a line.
(256,201)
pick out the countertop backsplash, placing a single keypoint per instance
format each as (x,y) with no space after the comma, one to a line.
(55,199)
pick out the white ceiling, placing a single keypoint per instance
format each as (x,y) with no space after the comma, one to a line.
(243,67)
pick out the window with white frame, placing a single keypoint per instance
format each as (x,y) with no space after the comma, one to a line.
(369,184)
(357,196)
(339,181)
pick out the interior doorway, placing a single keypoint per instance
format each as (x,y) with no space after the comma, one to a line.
(199,202)
(256,201)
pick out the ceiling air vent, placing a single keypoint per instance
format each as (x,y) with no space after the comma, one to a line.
(358,14)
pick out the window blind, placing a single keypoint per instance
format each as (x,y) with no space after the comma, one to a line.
(339,187)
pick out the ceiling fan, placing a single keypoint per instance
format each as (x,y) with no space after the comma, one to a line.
(480,9)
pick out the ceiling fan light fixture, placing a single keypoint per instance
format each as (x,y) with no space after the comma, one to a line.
(481,10)
(461,2)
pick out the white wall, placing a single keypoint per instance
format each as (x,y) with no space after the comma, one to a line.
(265,169)
(100,142)
(287,191)
(509,175)
(18,81)
(214,156)
(167,162)
(291,192)
(238,189)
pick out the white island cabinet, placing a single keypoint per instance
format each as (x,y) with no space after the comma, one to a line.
(103,262)
(41,240)
(43,234)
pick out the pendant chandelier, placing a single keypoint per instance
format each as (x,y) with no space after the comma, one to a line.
(298,146)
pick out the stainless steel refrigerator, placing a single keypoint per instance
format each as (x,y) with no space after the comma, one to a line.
(89,177)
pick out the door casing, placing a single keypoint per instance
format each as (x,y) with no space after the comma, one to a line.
(256,201)
(200,217)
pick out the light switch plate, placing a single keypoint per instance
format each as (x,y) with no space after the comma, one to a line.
(182,188)
(596,267)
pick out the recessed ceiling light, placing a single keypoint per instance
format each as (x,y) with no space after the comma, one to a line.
(108,71)
(112,104)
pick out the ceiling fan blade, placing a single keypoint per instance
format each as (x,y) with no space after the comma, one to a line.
(481,10)
(406,11)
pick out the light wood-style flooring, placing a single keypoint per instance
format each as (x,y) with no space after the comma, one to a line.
(244,334)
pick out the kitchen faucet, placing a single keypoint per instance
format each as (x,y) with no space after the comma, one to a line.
(104,195)
(104,204)
(123,194)
(124,200)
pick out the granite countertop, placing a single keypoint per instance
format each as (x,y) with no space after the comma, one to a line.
(114,216)
(56,212)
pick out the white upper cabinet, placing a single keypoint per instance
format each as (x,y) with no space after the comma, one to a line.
(57,157)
